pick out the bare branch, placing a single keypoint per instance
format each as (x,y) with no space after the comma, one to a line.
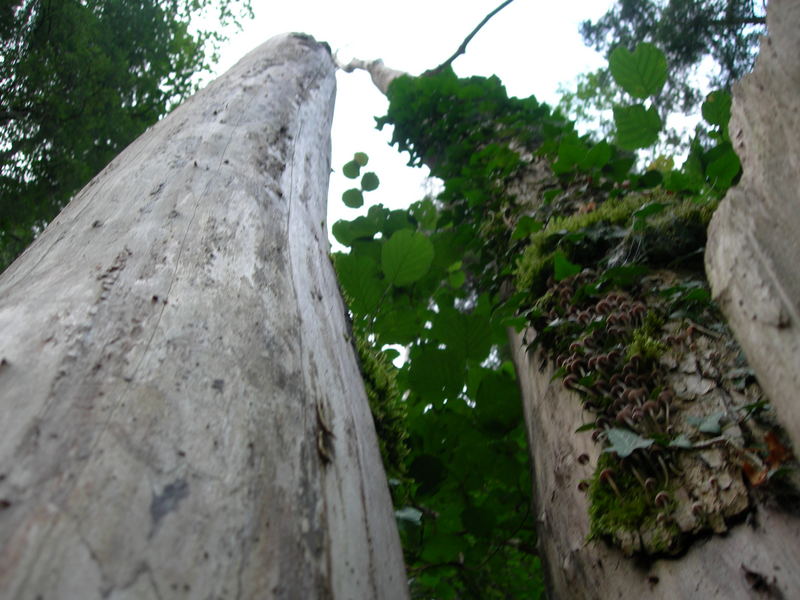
(463,47)
(381,75)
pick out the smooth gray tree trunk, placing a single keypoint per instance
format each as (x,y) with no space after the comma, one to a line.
(181,410)
(753,256)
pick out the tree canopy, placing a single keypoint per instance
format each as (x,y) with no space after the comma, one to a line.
(689,33)
(79,80)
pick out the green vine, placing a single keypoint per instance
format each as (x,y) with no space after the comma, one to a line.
(539,226)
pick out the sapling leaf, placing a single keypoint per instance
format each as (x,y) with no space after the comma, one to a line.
(637,126)
(624,442)
(406,257)
(351,169)
(717,108)
(369,182)
(641,73)
(353,198)
(361,158)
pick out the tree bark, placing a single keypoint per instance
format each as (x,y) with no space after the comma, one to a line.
(759,558)
(753,252)
(182,413)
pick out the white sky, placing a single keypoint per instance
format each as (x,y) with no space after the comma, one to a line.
(532,45)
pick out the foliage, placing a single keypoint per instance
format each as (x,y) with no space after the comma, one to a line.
(726,31)
(78,82)
(536,225)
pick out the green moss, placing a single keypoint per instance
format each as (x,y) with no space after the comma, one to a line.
(610,514)
(536,263)
(387,407)
(645,345)
(614,211)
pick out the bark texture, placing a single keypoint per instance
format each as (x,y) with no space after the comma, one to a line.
(753,253)
(759,558)
(182,413)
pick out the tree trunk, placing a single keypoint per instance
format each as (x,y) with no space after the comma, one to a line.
(753,257)
(752,263)
(183,415)
(759,558)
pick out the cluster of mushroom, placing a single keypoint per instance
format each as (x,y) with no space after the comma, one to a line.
(623,388)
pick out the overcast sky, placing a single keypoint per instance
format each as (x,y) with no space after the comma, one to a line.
(532,45)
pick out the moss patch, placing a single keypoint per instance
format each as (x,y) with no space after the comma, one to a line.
(388,409)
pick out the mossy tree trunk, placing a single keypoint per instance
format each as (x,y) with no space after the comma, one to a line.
(183,414)
(710,530)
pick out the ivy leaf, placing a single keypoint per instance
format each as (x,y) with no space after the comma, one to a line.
(353,198)
(406,257)
(637,126)
(351,169)
(562,267)
(361,158)
(369,182)
(641,73)
(624,442)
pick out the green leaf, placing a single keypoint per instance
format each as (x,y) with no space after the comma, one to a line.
(717,108)
(351,169)
(497,404)
(435,374)
(563,267)
(723,166)
(457,279)
(424,211)
(353,198)
(361,158)
(624,442)
(641,73)
(478,521)
(406,257)
(346,232)
(428,471)
(469,336)
(526,226)
(358,276)
(598,156)
(369,182)
(637,127)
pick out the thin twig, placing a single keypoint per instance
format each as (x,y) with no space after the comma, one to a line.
(463,47)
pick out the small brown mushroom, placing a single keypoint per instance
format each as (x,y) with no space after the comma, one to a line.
(662,498)
(607,476)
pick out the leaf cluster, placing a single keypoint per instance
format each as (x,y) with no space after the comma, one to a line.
(79,80)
